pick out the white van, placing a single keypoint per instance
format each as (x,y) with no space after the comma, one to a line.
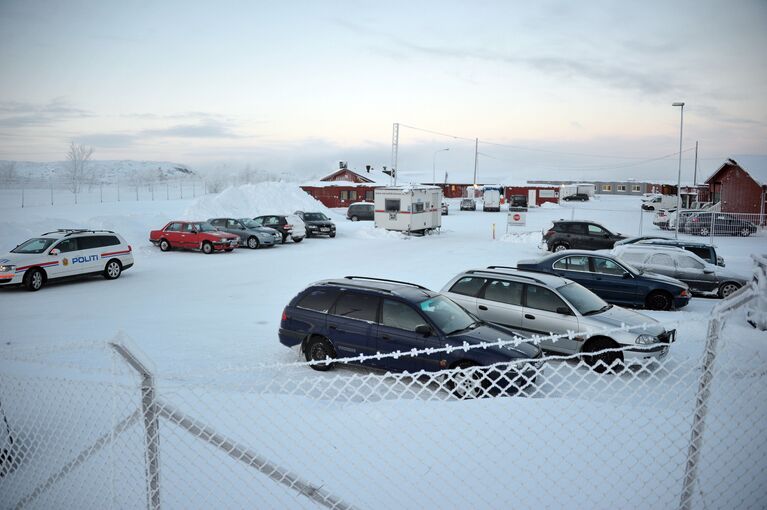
(65,253)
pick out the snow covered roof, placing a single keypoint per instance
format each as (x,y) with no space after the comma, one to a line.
(754,165)
(327,184)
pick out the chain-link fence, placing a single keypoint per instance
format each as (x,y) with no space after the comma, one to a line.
(23,194)
(93,426)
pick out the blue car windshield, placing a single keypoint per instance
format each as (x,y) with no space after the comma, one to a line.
(446,315)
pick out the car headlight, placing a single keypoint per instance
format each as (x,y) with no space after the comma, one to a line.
(7,269)
(646,339)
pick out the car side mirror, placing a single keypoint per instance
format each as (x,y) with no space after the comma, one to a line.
(54,252)
(626,276)
(708,271)
(423,329)
(563,310)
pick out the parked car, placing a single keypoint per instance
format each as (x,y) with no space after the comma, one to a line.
(317,224)
(703,250)
(661,218)
(468,204)
(613,279)
(703,278)
(577,197)
(659,202)
(580,235)
(718,223)
(546,304)
(445,208)
(361,211)
(288,225)
(276,234)
(357,316)
(251,234)
(65,253)
(518,201)
(193,235)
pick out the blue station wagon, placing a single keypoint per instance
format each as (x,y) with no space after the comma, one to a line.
(355,316)
(613,279)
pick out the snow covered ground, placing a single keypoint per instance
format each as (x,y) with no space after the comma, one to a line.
(191,312)
(209,317)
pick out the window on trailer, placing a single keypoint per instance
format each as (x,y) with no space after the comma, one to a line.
(370,195)
(391,205)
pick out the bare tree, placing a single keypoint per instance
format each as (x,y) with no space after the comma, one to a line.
(78,157)
(8,173)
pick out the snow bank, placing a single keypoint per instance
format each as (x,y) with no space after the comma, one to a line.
(252,200)
(550,205)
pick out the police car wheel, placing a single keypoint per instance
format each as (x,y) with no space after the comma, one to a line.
(113,270)
(34,280)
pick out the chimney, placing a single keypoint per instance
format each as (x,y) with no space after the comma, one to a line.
(367,167)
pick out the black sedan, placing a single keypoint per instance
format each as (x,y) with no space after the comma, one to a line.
(613,279)
(707,223)
(577,197)
(317,224)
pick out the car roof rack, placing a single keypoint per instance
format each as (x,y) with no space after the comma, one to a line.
(491,268)
(70,231)
(386,281)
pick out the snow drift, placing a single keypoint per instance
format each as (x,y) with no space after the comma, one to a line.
(250,200)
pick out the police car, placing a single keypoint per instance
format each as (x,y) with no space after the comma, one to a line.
(65,253)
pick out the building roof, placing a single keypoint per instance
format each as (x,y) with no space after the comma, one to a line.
(753,165)
(345,184)
(354,175)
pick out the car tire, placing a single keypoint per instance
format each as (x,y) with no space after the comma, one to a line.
(113,269)
(207,248)
(659,300)
(332,235)
(704,231)
(354,218)
(727,288)
(228,250)
(284,239)
(463,385)
(560,247)
(606,362)
(318,349)
(745,232)
(297,239)
(34,279)
(164,245)
(253,243)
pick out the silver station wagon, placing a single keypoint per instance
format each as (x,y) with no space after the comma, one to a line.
(546,304)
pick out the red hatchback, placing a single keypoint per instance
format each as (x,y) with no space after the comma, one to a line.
(193,235)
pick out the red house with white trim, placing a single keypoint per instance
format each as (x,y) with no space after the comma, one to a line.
(740,185)
(343,187)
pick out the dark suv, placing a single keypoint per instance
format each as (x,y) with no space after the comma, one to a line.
(576,197)
(361,211)
(358,316)
(579,235)
(317,224)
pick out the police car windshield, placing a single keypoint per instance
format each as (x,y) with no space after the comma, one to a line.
(448,316)
(36,245)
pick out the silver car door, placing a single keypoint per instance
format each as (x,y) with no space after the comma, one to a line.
(543,314)
(691,271)
(501,303)
(465,291)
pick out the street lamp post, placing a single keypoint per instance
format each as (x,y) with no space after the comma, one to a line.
(679,174)
(434,165)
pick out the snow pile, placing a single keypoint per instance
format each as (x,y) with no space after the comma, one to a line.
(251,200)
(550,205)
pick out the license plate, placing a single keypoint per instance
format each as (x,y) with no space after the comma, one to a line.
(324,230)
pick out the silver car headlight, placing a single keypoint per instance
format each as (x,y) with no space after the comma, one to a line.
(7,269)
(646,340)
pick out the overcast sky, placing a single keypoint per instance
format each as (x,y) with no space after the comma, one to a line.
(297,86)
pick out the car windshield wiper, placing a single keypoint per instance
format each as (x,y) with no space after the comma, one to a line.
(470,326)
(603,309)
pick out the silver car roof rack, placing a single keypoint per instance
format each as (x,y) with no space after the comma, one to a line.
(70,231)
(386,281)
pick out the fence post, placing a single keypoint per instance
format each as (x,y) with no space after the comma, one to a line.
(695,446)
(194,189)
(51,193)
(118,189)
(22,197)
(151,426)
(151,188)
(167,191)
(641,220)
(101,193)
(711,229)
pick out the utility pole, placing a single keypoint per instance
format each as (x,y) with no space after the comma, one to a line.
(394,151)
(476,155)
(679,175)
(695,174)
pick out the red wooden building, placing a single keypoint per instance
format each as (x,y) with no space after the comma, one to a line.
(741,186)
(532,194)
(343,187)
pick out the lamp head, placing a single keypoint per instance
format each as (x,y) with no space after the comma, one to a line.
(678,104)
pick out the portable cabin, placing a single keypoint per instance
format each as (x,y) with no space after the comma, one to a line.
(408,208)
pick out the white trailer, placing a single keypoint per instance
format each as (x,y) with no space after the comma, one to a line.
(566,190)
(586,188)
(409,208)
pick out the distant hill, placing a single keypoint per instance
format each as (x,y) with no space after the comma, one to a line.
(99,171)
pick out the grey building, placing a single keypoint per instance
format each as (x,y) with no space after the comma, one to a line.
(629,187)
